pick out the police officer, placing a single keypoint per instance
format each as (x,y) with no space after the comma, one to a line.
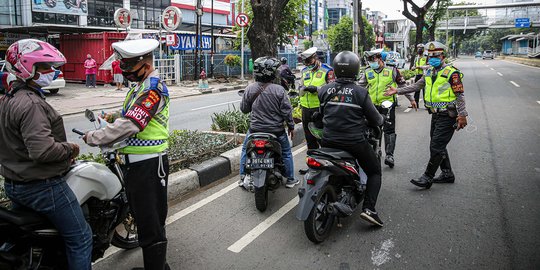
(419,66)
(377,78)
(444,98)
(144,127)
(314,75)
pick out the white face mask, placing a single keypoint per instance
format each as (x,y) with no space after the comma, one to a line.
(45,79)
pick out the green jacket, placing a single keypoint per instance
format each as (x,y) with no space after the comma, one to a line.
(316,78)
(439,93)
(378,83)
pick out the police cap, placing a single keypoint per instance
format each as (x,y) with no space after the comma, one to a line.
(435,48)
(134,48)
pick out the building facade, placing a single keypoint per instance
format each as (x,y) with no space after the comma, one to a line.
(338,9)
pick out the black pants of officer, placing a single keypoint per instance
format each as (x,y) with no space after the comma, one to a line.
(389,129)
(366,157)
(417,93)
(442,130)
(307,115)
(147,196)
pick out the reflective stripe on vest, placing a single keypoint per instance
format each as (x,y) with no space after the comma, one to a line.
(378,83)
(420,62)
(154,137)
(439,94)
(313,78)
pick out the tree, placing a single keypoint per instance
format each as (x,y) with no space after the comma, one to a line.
(434,14)
(340,35)
(418,20)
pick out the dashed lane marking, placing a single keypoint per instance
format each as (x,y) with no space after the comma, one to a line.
(500,74)
(492,68)
(407,110)
(515,84)
(538,101)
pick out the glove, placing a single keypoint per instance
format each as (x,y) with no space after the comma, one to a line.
(461,122)
(311,89)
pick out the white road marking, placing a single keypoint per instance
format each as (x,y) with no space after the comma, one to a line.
(500,74)
(215,105)
(407,110)
(382,255)
(492,68)
(262,227)
(538,101)
(515,84)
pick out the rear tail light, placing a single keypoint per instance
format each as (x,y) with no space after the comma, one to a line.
(313,163)
(260,151)
(349,168)
(310,182)
(259,143)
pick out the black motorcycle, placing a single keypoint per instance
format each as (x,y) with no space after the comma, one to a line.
(333,186)
(29,241)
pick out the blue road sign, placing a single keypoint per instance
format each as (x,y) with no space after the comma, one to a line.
(522,22)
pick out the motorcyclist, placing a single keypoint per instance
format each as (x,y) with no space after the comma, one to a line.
(347,111)
(270,108)
(35,154)
(287,77)
(377,78)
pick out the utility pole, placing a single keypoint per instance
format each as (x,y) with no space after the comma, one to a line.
(355,27)
(198,11)
(213,43)
(242,50)
(310,22)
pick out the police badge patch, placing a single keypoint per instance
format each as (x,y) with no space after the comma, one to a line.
(386,73)
(318,75)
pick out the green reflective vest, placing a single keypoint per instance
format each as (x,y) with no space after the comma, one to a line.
(420,61)
(439,93)
(378,83)
(154,137)
(313,78)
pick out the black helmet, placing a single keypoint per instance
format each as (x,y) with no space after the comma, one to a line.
(346,65)
(283,60)
(265,69)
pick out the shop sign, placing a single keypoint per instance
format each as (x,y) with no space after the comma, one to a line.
(71,7)
(189,42)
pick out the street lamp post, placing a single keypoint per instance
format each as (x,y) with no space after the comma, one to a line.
(213,43)
(242,50)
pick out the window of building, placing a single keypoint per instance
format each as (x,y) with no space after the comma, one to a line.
(53,18)
(10,13)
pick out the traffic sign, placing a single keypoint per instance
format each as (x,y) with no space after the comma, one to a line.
(122,18)
(242,20)
(171,18)
(522,22)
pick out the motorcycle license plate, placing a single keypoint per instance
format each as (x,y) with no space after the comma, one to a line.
(260,163)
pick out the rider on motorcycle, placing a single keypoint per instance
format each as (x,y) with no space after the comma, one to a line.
(35,154)
(287,77)
(270,107)
(347,112)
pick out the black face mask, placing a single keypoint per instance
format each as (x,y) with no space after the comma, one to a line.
(134,75)
(420,52)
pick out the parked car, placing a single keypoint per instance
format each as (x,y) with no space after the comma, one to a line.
(395,59)
(477,55)
(6,79)
(487,54)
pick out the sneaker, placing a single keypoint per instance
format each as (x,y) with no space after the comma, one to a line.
(371,217)
(241,181)
(292,182)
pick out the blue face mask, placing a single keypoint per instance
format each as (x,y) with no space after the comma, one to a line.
(435,62)
(374,65)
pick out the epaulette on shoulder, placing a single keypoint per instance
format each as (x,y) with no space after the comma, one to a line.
(327,67)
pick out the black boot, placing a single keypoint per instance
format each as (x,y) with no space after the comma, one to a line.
(424,181)
(390,145)
(446,176)
(154,257)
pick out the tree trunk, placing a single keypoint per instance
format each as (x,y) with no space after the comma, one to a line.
(263,33)
(363,38)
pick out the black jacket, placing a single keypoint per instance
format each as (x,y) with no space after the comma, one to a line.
(347,111)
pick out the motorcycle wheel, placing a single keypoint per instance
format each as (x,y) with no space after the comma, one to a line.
(261,198)
(125,234)
(319,223)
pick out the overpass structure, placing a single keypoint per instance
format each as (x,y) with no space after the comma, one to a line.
(491,16)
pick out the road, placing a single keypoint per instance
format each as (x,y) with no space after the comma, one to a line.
(192,113)
(488,219)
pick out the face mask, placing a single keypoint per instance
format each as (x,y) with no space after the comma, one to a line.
(134,75)
(420,52)
(435,62)
(45,79)
(374,65)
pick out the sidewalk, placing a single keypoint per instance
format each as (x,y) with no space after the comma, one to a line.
(75,98)
(535,62)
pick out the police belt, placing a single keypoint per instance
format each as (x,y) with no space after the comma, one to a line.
(132,158)
(438,110)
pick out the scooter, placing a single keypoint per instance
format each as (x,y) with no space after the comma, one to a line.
(333,186)
(29,241)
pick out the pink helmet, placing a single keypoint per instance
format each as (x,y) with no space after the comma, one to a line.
(23,55)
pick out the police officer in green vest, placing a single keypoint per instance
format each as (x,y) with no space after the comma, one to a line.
(377,78)
(143,126)
(444,98)
(420,64)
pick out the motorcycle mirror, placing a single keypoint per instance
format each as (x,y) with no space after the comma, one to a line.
(241,92)
(387,104)
(90,115)
(293,94)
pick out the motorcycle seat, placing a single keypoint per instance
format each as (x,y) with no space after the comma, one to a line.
(21,217)
(331,153)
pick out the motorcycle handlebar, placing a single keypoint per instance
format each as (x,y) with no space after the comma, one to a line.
(78,131)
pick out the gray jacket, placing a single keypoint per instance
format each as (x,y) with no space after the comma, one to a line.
(269,110)
(32,138)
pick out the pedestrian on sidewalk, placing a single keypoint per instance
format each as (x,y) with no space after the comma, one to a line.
(118,78)
(90,67)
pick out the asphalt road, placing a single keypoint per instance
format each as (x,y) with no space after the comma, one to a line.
(192,113)
(488,219)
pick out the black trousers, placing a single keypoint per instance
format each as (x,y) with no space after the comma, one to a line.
(147,196)
(442,130)
(417,93)
(366,157)
(307,115)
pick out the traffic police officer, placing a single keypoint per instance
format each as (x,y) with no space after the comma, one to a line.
(419,65)
(444,98)
(144,128)
(377,78)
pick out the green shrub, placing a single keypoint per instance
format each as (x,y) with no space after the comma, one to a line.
(407,74)
(231,120)
(92,157)
(232,60)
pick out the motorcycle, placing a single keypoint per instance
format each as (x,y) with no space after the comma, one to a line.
(73,3)
(29,241)
(333,186)
(50,3)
